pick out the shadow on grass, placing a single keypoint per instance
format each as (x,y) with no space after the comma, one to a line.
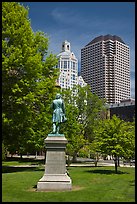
(12,169)
(105,171)
(22,160)
(35,186)
(132,183)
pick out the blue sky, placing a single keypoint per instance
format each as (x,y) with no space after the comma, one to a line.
(81,22)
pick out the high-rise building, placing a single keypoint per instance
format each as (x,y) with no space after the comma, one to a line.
(81,82)
(68,65)
(105,66)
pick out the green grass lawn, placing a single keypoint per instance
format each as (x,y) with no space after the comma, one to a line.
(89,184)
(18,161)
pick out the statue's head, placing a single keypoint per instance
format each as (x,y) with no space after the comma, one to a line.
(58,96)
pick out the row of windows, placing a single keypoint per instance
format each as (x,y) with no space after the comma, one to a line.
(122,79)
(109,54)
(93,64)
(123,88)
(122,93)
(68,70)
(65,85)
(122,47)
(92,53)
(119,87)
(122,51)
(97,80)
(123,58)
(95,69)
(99,61)
(119,69)
(67,64)
(121,63)
(122,55)
(69,82)
(64,78)
(119,84)
(122,72)
(93,58)
(105,47)
(96,45)
(121,97)
(110,68)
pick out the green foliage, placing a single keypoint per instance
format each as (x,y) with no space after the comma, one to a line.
(4,152)
(84,152)
(28,80)
(116,137)
(82,111)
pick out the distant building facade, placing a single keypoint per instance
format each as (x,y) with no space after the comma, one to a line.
(81,82)
(68,65)
(105,66)
(125,110)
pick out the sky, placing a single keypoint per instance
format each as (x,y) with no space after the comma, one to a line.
(81,22)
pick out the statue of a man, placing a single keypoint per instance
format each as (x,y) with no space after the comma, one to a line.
(58,113)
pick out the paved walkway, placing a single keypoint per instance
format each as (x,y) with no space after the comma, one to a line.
(99,164)
(72,165)
(81,162)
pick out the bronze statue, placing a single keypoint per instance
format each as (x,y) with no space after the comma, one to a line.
(58,113)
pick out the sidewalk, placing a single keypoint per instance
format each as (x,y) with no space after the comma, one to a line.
(99,164)
(73,165)
(80,162)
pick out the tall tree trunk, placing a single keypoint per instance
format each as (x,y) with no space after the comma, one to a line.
(118,163)
(36,155)
(115,160)
(68,160)
(45,155)
(20,155)
(74,159)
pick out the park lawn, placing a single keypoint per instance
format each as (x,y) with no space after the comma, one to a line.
(89,184)
(24,161)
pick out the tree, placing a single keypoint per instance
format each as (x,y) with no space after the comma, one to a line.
(28,80)
(115,137)
(82,111)
(4,152)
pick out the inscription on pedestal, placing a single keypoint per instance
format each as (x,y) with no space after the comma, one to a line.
(55,162)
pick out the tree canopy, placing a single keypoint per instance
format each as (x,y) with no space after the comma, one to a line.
(115,137)
(83,109)
(28,79)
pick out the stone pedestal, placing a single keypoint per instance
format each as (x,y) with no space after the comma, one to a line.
(55,177)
